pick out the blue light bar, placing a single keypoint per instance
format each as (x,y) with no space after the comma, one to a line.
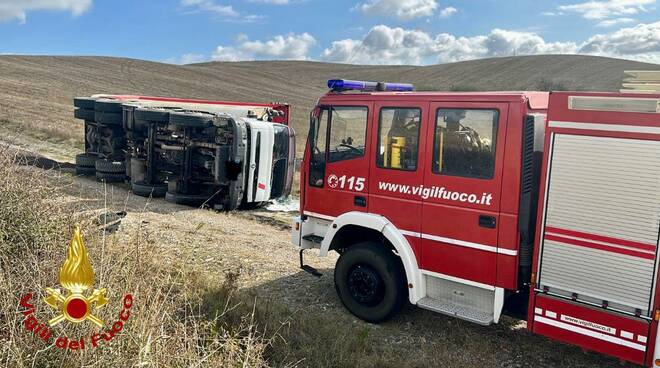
(351,85)
(340,85)
(398,87)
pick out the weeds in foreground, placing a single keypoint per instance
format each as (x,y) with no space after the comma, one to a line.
(167,326)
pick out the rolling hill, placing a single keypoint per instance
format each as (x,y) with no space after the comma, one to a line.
(36,91)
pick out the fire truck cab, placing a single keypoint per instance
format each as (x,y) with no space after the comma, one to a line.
(433,198)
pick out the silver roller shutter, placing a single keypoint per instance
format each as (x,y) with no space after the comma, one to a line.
(600,233)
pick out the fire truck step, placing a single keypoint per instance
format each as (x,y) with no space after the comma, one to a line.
(458,299)
(313,238)
(307,268)
(455,310)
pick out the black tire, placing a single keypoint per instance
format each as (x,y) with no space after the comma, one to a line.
(111,167)
(110,177)
(113,106)
(189,119)
(108,118)
(152,115)
(85,170)
(84,103)
(86,160)
(371,282)
(84,114)
(194,200)
(143,189)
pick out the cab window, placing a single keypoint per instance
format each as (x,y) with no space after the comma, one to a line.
(464,143)
(338,134)
(348,130)
(398,138)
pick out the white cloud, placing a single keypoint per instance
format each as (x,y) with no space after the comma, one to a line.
(18,9)
(223,12)
(210,7)
(605,9)
(615,22)
(641,42)
(448,12)
(288,47)
(386,45)
(394,45)
(190,58)
(404,10)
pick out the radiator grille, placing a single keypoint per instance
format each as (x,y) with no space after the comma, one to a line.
(527,179)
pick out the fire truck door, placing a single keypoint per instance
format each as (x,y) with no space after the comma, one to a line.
(462,187)
(338,166)
(397,166)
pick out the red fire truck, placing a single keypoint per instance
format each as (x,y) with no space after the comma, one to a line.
(471,204)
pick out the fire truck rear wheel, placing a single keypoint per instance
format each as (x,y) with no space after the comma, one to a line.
(371,282)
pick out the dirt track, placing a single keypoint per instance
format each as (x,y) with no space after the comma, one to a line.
(256,244)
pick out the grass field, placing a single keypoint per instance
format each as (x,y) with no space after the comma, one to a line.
(36,92)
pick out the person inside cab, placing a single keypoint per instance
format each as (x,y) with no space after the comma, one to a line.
(403,139)
(459,150)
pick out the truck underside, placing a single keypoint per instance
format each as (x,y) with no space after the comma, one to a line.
(193,152)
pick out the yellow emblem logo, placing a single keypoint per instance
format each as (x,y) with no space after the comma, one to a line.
(76,276)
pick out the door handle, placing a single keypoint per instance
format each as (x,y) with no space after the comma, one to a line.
(489,222)
(360,201)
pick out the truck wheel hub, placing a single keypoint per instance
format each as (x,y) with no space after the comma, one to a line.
(365,285)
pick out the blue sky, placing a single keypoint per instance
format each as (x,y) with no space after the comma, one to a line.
(350,31)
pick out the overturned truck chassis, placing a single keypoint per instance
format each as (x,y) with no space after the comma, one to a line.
(222,155)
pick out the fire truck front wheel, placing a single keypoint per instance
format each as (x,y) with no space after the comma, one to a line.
(371,282)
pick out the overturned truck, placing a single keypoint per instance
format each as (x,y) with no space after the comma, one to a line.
(224,155)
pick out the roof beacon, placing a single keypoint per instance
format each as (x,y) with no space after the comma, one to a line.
(341,85)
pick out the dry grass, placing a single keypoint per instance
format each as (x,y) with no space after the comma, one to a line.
(169,323)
